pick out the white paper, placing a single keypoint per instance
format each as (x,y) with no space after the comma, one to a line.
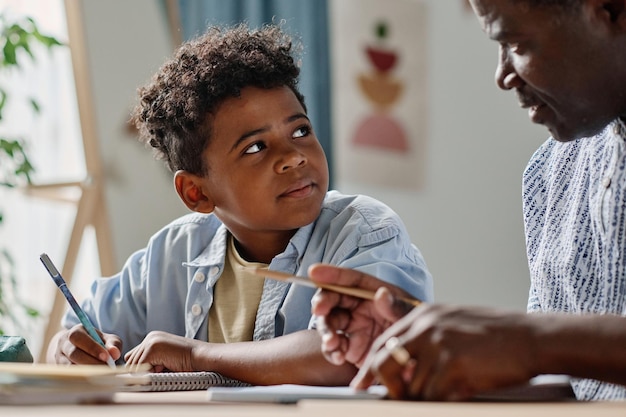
(290,393)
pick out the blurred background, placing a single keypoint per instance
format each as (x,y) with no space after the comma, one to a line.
(401,94)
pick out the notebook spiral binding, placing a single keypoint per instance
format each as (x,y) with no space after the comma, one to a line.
(189,381)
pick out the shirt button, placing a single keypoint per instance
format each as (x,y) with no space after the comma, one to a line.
(196,309)
(616,129)
(199,277)
(214,270)
(606,182)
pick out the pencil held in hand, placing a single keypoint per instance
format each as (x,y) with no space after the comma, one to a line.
(354,292)
(60,282)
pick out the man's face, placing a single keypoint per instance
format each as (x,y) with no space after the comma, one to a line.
(560,63)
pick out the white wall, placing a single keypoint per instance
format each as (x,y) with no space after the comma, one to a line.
(467,220)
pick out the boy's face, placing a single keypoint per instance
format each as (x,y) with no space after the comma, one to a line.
(561,64)
(267,172)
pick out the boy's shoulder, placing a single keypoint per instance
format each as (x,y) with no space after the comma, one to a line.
(368,208)
(194,219)
(190,225)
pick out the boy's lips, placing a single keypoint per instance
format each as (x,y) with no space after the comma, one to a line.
(299,189)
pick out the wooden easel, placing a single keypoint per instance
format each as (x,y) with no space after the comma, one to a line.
(91,207)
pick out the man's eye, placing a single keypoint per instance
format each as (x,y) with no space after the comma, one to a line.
(255,147)
(515,48)
(302,132)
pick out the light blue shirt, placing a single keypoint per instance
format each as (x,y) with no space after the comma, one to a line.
(169,284)
(575,218)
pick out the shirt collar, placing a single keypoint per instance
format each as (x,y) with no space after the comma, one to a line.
(215,253)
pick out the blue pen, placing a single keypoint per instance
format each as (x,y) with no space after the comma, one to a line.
(60,282)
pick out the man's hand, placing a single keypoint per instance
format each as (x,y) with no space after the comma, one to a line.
(451,353)
(349,325)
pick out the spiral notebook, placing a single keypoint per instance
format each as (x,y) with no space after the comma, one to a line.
(177,381)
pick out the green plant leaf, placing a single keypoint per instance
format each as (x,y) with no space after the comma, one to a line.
(35,105)
(3,99)
(25,169)
(8,147)
(47,41)
(10,57)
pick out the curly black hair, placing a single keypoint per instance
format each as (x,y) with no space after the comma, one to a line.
(174,107)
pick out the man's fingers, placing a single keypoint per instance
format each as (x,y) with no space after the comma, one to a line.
(329,274)
(390,307)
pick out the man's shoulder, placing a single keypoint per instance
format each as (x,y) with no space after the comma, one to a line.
(557,153)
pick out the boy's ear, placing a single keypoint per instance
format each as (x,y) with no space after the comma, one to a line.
(189,189)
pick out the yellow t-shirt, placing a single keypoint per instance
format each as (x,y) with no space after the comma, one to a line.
(236,298)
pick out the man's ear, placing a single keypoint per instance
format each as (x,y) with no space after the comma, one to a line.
(189,189)
(615,10)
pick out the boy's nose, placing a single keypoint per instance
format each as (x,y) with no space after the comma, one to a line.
(292,158)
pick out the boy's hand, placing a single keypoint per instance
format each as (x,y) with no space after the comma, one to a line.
(75,346)
(164,351)
(349,325)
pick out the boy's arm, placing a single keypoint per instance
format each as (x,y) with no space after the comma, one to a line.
(295,358)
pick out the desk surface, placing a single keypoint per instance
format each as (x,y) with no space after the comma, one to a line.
(194,403)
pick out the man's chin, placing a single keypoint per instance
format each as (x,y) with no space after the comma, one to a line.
(585,129)
(567,135)
(563,138)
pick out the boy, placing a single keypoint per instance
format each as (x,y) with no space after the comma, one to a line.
(226,116)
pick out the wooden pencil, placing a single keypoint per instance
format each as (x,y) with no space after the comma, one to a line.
(354,292)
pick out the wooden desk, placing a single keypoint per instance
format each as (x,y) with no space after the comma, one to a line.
(194,403)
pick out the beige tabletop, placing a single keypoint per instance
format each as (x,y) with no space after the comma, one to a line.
(194,403)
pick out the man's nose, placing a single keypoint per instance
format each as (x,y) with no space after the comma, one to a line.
(506,75)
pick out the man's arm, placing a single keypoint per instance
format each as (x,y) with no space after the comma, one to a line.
(457,352)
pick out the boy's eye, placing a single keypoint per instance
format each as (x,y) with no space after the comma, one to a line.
(255,147)
(302,132)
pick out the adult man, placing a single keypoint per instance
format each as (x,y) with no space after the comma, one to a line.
(566,60)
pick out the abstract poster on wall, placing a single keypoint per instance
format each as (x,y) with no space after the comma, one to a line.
(379,69)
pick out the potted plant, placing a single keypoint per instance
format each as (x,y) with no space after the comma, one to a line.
(18,39)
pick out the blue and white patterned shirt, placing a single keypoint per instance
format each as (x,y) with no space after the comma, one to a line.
(575,219)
